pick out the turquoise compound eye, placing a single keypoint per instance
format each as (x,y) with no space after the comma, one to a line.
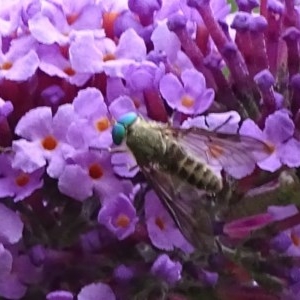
(118,133)
(128,119)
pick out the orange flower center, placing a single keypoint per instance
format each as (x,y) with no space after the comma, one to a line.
(6,66)
(70,71)
(22,179)
(187,101)
(295,239)
(72,18)
(160,223)
(108,23)
(49,143)
(102,124)
(122,221)
(95,171)
(108,56)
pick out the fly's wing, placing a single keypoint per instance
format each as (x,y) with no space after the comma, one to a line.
(185,204)
(220,149)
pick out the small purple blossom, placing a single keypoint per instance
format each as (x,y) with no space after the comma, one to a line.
(162,230)
(119,216)
(167,269)
(95,290)
(187,97)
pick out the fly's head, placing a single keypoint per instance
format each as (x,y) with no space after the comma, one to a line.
(143,138)
(119,131)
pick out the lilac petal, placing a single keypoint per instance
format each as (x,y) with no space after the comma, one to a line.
(96,291)
(189,77)
(35,182)
(92,63)
(167,269)
(290,153)
(56,165)
(60,295)
(227,122)
(23,68)
(6,108)
(279,127)
(88,102)
(203,102)
(121,106)
(171,89)
(90,15)
(12,288)
(250,128)
(6,261)
(111,212)
(165,41)
(11,226)
(62,119)
(131,46)
(44,31)
(282,212)
(240,171)
(124,164)
(28,156)
(271,164)
(7,188)
(36,123)
(75,182)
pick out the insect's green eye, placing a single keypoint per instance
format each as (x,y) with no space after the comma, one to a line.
(128,119)
(118,133)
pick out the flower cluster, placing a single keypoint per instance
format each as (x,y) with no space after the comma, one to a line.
(79,218)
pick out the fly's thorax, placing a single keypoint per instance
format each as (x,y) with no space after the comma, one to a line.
(145,141)
(192,169)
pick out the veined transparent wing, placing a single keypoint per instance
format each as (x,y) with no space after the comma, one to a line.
(185,204)
(220,149)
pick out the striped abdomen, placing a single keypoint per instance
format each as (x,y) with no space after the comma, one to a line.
(191,169)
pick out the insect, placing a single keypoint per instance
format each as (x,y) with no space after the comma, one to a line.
(171,158)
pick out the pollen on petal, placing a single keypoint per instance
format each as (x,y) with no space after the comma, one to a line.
(122,221)
(72,18)
(295,239)
(95,171)
(216,150)
(70,71)
(160,223)
(187,101)
(6,65)
(49,143)
(109,56)
(22,179)
(108,23)
(102,124)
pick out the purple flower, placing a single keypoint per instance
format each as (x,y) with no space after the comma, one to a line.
(290,238)
(162,230)
(87,172)
(119,216)
(278,134)
(167,269)
(11,226)
(187,97)
(93,127)
(123,273)
(44,139)
(16,183)
(96,291)
(21,61)
(56,20)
